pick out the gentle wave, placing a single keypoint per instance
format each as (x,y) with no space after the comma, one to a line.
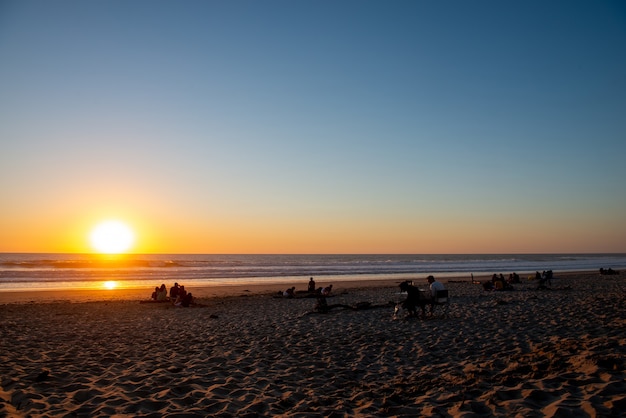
(46,270)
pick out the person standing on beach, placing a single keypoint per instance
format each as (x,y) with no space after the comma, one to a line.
(311,285)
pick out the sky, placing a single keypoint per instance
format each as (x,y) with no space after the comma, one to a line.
(314,126)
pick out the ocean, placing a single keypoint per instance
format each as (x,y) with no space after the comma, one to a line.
(58,271)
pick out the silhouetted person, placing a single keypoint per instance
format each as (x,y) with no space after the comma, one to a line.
(326,291)
(174,292)
(187,300)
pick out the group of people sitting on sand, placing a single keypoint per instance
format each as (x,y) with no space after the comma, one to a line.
(311,290)
(178,295)
(544,279)
(608,272)
(417,298)
(498,282)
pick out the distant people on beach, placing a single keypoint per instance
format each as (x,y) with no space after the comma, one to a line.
(174,292)
(417,299)
(544,279)
(321,305)
(186,301)
(162,293)
(321,293)
(498,282)
(608,272)
(311,288)
(513,278)
(326,291)
(159,294)
(178,296)
(290,293)
(181,295)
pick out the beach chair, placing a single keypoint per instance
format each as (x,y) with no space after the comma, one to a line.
(441,304)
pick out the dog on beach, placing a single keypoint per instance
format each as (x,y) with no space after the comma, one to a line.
(414,300)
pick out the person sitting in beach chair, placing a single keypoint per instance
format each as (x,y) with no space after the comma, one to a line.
(440,303)
(434,286)
(438,293)
(439,297)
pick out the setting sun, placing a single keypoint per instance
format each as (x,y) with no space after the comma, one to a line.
(112,237)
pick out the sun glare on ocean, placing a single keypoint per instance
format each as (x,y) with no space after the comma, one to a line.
(112,237)
(110,285)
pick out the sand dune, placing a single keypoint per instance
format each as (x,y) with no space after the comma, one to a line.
(526,353)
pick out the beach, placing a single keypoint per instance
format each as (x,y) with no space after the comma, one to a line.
(243,351)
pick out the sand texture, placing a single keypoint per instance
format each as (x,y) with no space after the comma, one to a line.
(524,353)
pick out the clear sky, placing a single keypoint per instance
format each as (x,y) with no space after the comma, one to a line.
(314,126)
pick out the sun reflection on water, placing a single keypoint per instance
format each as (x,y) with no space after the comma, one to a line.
(109,285)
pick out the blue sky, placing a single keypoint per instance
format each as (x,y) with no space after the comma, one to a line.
(350,126)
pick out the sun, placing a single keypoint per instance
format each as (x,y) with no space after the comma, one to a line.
(112,237)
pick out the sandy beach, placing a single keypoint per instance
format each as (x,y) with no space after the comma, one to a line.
(246,353)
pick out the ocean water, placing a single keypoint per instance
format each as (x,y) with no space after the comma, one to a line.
(58,271)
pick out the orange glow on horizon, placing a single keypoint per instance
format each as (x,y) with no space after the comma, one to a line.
(157,232)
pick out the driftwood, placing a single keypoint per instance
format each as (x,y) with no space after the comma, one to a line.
(322,307)
(299,295)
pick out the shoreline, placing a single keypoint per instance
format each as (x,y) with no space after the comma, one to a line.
(255,288)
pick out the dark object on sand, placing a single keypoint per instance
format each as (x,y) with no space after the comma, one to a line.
(42,376)
(321,306)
